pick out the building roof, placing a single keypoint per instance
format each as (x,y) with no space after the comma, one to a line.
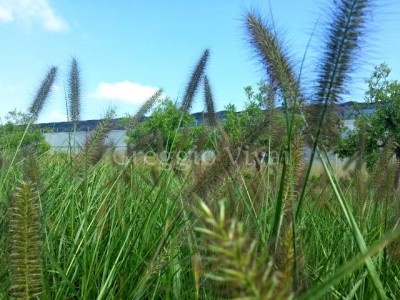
(347,109)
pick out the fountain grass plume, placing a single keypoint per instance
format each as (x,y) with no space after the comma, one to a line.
(209,99)
(347,26)
(25,264)
(94,147)
(42,93)
(194,82)
(144,109)
(74,92)
(235,260)
(270,51)
(344,37)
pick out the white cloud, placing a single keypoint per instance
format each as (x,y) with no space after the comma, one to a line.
(28,11)
(54,116)
(124,91)
(5,14)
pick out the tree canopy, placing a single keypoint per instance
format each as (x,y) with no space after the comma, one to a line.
(373,132)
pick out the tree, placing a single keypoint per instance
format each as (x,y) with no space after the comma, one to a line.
(12,134)
(260,109)
(167,129)
(379,130)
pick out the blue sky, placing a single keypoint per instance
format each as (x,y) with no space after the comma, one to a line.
(126,49)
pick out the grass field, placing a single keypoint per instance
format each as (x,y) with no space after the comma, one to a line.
(131,231)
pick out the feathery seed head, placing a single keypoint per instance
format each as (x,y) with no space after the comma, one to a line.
(194,81)
(43,92)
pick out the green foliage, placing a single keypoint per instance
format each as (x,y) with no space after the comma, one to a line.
(258,110)
(374,132)
(15,130)
(381,89)
(167,129)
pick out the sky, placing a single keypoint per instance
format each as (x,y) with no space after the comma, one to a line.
(127,49)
